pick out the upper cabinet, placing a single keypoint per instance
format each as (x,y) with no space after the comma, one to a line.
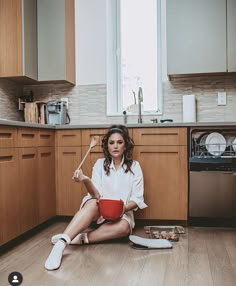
(18,32)
(56,40)
(38,39)
(200,36)
(231,25)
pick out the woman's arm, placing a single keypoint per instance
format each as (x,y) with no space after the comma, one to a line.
(131,205)
(80,177)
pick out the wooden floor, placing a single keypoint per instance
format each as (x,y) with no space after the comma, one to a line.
(202,256)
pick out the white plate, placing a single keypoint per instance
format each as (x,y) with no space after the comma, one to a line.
(215,143)
(231,141)
(234,145)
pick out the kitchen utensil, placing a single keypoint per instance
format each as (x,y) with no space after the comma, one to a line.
(111,209)
(215,143)
(93,143)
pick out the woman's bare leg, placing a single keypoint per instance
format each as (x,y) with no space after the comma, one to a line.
(109,230)
(83,218)
(79,223)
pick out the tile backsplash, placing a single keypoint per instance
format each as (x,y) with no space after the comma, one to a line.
(87,103)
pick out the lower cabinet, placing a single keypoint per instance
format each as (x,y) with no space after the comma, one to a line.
(162,154)
(165,181)
(9,195)
(28,167)
(27,183)
(69,193)
(46,183)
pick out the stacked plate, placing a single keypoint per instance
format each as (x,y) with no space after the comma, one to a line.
(215,143)
(231,142)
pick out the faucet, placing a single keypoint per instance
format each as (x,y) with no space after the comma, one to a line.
(140,100)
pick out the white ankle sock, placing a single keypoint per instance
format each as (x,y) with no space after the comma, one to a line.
(54,259)
(81,238)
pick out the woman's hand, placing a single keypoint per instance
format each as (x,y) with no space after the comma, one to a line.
(79,176)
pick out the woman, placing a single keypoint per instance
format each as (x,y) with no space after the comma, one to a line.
(116,176)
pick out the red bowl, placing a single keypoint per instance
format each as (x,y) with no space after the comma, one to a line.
(111,209)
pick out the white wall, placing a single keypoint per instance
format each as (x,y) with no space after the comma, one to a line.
(90,17)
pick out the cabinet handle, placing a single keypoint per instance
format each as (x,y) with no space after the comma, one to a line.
(6,158)
(27,135)
(5,135)
(28,156)
(45,136)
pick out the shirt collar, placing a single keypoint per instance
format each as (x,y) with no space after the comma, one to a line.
(112,166)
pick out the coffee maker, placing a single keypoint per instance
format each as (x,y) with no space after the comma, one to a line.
(56,112)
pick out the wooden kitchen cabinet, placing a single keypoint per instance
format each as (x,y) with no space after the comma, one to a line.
(46,183)
(68,192)
(162,154)
(9,195)
(197,36)
(18,30)
(68,157)
(28,188)
(27,179)
(46,138)
(8,137)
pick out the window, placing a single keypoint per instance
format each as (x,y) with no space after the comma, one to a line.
(134,55)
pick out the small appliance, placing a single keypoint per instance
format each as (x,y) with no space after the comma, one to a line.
(57,113)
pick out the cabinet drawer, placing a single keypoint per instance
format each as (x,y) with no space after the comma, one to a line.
(27,137)
(68,138)
(160,136)
(8,156)
(7,136)
(46,138)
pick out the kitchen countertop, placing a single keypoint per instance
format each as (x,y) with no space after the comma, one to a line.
(143,125)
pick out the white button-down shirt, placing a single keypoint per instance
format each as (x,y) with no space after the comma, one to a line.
(118,184)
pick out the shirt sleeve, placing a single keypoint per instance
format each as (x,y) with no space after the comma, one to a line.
(138,186)
(97,175)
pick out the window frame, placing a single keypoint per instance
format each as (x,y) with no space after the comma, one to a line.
(114,100)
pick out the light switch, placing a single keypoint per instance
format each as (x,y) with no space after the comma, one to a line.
(222,98)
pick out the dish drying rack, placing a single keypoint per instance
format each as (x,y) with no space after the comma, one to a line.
(200,150)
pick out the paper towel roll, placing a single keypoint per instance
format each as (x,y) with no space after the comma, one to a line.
(189,108)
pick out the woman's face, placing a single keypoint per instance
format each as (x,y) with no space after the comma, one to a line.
(116,146)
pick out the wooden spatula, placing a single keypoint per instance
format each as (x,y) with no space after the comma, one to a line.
(93,143)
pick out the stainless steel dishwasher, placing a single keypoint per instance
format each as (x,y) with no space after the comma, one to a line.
(212,177)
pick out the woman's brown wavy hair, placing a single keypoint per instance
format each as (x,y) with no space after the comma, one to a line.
(129,146)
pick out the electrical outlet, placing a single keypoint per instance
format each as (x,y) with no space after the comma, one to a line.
(222,98)
(66,100)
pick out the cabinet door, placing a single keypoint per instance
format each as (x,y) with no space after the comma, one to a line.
(10,38)
(165,181)
(46,183)
(68,192)
(231,24)
(9,195)
(56,45)
(28,188)
(196,36)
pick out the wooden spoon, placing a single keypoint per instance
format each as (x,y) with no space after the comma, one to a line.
(93,143)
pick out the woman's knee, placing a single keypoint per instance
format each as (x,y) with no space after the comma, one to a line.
(125,227)
(91,206)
